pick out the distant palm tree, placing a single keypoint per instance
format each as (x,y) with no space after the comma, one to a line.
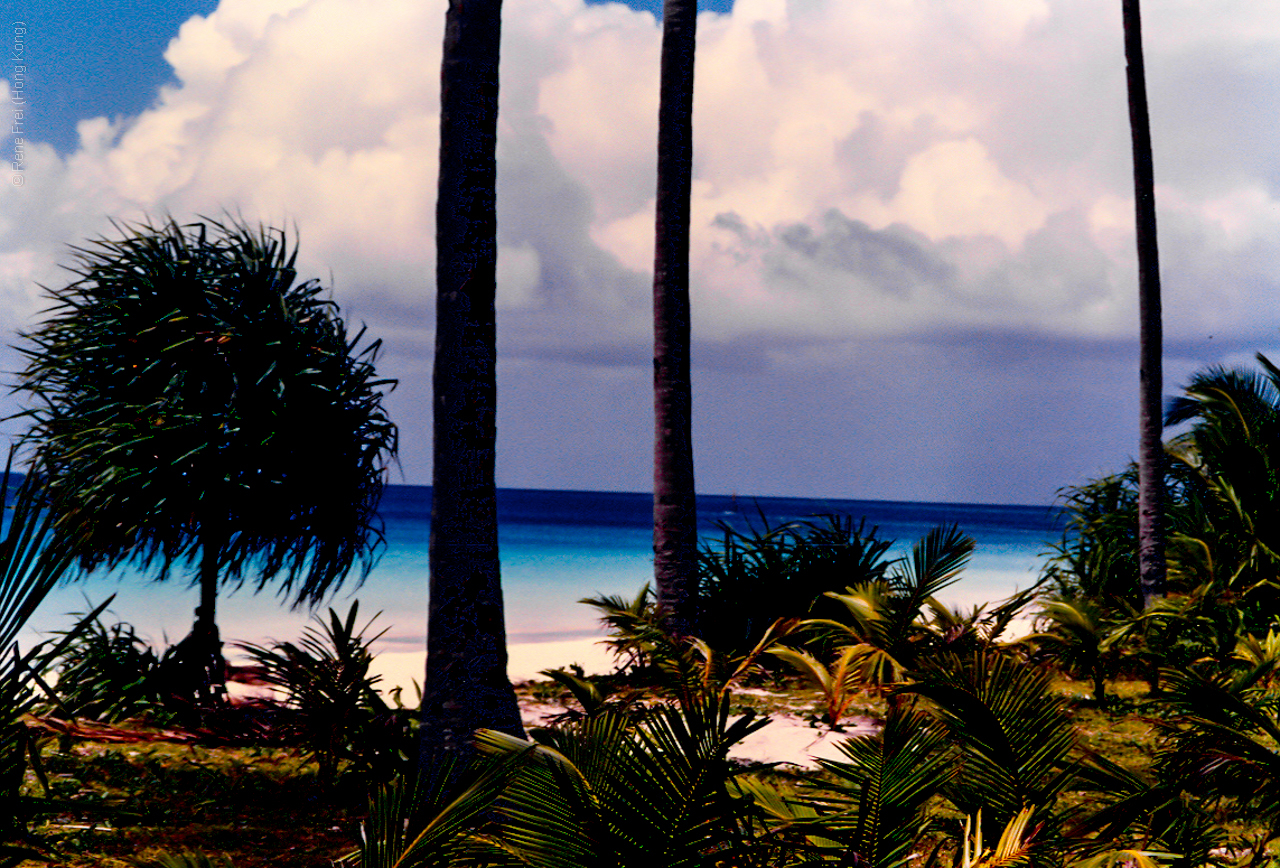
(675,514)
(466,685)
(190,402)
(1151,494)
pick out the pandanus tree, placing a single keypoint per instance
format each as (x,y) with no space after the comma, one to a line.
(192,403)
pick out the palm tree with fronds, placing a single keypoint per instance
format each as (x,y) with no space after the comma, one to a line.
(1233,448)
(192,403)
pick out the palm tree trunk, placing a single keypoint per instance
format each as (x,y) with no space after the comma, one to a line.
(466,685)
(1151,456)
(210,667)
(675,514)
(195,674)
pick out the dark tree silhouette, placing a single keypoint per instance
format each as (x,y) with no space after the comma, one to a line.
(192,403)
(675,515)
(466,685)
(1151,456)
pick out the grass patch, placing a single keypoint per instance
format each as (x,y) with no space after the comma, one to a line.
(261,806)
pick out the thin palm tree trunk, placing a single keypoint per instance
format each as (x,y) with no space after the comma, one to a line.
(675,514)
(212,689)
(1151,456)
(466,684)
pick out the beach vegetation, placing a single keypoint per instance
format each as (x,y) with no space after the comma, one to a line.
(747,579)
(979,757)
(33,559)
(883,623)
(984,750)
(187,385)
(338,715)
(1223,483)
(108,673)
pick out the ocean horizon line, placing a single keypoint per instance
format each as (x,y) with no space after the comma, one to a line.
(754,497)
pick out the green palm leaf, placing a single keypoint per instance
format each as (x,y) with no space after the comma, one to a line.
(1015,740)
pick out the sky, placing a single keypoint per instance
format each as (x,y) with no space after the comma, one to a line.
(913,268)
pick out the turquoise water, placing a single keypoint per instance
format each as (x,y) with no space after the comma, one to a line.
(556,547)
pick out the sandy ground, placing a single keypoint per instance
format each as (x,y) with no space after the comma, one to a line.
(525,661)
(787,738)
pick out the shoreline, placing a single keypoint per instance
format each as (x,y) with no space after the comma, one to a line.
(404,669)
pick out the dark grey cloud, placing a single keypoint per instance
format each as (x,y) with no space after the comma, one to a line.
(895,260)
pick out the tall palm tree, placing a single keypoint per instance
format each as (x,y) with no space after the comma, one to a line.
(191,402)
(466,685)
(1151,544)
(675,514)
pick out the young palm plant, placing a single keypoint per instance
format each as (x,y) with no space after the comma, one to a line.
(839,684)
(340,716)
(32,560)
(609,789)
(884,624)
(1079,636)
(873,800)
(1016,748)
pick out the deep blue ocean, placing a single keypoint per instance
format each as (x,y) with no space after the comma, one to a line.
(557,547)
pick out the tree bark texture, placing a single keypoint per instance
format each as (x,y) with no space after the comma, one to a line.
(675,528)
(1151,455)
(466,685)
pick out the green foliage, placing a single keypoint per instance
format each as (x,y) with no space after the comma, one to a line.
(187,386)
(838,684)
(339,714)
(650,653)
(1224,742)
(32,560)
(885,627)
(609,789)
(183,860)
(1015,739)
(1233,451)
(750,579)
(887,616)
(1080,637)
(1097,556)
(873,801)
(108,673)
(1223,508)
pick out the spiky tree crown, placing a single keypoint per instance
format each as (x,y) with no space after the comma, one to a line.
(186,391)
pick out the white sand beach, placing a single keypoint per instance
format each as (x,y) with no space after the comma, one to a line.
(525,660)
(788,738)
